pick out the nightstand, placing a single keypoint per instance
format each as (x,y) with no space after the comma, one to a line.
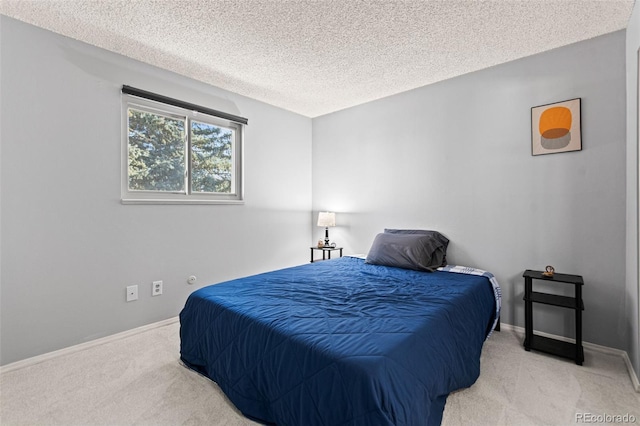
(545,344)
(326,251)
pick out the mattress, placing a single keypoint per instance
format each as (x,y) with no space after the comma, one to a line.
(340,342)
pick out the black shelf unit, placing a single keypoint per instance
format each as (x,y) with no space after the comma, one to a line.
(545,344)
(325,251)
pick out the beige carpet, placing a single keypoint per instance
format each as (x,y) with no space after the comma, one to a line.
(138,380)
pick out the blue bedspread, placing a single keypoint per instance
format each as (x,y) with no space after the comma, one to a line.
(340,342)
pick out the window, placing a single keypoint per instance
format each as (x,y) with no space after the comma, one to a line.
(175,152)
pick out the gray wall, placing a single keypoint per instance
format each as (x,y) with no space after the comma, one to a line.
(453,156)
(456,157)
(632,282)
(69,247)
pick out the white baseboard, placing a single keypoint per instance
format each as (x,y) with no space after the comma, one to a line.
(82,346)
(506,327)
(632,373)
(586,345)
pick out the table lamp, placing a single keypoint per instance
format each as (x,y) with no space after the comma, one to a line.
(326,219)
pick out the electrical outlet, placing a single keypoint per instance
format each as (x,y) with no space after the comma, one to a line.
(156,289)
(132,293)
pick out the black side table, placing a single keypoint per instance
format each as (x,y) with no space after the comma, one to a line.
(325,251)
(553,346)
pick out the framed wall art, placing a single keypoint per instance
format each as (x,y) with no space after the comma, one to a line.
(556,128)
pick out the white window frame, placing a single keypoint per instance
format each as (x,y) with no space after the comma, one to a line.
(236,196)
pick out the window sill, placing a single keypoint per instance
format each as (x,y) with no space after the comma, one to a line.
(128,201)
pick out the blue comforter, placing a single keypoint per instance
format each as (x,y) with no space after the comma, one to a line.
(340,342)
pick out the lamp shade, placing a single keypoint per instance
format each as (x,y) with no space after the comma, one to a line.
(326,219)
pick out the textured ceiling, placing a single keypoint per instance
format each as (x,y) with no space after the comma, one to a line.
(316,57)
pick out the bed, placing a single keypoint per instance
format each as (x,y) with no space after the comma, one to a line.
(341,342)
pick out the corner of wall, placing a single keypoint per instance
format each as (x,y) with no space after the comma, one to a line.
(632,217)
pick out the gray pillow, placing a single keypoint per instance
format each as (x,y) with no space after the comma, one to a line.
(444,241)
(419,252)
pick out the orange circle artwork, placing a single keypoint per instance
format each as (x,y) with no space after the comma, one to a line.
(555,122)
